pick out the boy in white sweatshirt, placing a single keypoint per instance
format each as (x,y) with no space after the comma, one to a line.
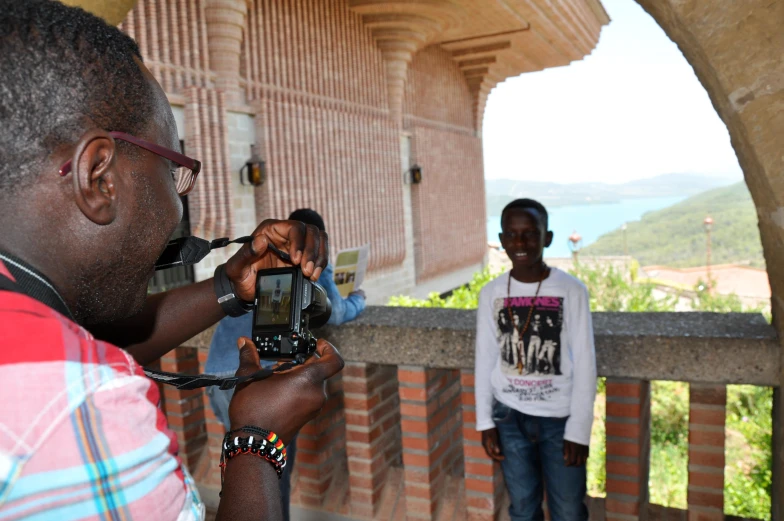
(535,382)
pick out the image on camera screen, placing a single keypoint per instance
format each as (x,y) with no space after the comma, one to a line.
(274,293)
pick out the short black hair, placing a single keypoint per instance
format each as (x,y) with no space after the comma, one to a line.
(308,216)
(64,71)
(526,204)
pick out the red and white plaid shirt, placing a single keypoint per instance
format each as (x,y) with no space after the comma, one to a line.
(81,435)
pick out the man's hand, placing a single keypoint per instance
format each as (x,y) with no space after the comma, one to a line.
(284,402)
(491,444)
(575,455)
(306,245)
(359,293)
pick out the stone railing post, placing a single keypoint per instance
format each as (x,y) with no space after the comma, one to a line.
(431,422)
(372,432)
(321,450)
(707,413)
(628,448)
(484,481)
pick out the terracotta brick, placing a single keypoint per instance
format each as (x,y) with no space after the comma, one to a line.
(707,479)
(706,438)
(707,416)
(630,508)
(706,458)
(623,430)
(706,499)
(415,376)
(479,485)
(624,410)
(707,394)
(623,469)
(626,390)
(619,486)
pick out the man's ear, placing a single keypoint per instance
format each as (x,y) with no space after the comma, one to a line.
(94,173)
(548,239)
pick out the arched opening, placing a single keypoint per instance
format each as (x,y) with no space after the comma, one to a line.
(620,134)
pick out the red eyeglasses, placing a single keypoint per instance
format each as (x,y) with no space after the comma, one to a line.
(187,168)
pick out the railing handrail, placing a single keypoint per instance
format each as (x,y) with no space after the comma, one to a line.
(727,348)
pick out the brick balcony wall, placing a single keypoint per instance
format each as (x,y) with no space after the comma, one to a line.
(397,441)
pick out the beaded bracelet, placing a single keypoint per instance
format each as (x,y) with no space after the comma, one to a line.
(262,443)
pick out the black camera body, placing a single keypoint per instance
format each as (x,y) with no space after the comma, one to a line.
(287,305)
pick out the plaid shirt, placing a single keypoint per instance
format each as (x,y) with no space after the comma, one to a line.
(81,436)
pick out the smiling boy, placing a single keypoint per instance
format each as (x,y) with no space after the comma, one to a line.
(535,407)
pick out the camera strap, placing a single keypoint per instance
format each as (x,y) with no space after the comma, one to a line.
(28,281)
(185,381)
(187,251)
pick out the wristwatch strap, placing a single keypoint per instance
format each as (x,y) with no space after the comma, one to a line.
(224,290)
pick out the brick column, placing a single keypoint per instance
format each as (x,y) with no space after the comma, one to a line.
(207,472)
(225,24)
(431,423)
(707,411)
(321,453)
(628,448)
(484,481)
(372,432)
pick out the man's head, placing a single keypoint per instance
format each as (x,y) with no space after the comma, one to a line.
(67,80)
(308,216)
(524,233)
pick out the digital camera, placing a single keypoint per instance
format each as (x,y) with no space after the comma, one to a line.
(287,306)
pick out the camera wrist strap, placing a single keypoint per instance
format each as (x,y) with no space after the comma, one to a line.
(185,381)
(187,251)
(28,281)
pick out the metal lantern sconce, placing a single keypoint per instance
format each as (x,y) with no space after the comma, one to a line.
(255,171)
(415,174)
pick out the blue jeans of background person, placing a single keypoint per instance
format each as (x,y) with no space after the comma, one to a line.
(220,405)
(533,460)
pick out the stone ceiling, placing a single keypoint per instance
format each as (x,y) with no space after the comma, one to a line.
(490,40)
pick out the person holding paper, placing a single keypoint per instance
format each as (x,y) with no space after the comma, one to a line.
(223,357)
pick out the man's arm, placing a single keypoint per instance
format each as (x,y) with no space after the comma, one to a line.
(168,319)
(578,426)
(251,488)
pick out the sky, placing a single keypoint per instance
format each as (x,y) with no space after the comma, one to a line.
(632,109)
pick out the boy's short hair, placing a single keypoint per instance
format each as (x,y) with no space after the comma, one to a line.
(308,216)
(526,204)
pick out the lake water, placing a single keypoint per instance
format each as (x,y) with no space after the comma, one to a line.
(590,221)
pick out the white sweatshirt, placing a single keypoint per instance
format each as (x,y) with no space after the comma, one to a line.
(551,371)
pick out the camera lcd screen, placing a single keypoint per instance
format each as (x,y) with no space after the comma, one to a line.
(274,296)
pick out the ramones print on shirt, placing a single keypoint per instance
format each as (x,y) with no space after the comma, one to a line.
(538,351)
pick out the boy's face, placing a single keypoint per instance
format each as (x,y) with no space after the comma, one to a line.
(524,237)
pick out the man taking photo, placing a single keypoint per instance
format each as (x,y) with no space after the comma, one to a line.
(90,184)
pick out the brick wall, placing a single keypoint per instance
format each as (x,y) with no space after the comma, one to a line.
(448,207)
(312,80)
(328,140)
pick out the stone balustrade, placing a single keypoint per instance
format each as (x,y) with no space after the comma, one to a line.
(396,439)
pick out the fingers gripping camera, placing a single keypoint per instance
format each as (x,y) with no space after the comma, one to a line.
(287,306)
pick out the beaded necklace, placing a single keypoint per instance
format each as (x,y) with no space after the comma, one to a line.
(545,272)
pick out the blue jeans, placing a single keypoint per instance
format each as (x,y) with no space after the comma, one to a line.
(219,400)
(533,460)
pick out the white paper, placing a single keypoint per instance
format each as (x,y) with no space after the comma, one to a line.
(350,268)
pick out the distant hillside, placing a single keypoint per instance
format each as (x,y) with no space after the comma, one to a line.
(675,236)
(501,191)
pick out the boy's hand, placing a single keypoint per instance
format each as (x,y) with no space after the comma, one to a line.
(359,293)
(491,444)
(575,455)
